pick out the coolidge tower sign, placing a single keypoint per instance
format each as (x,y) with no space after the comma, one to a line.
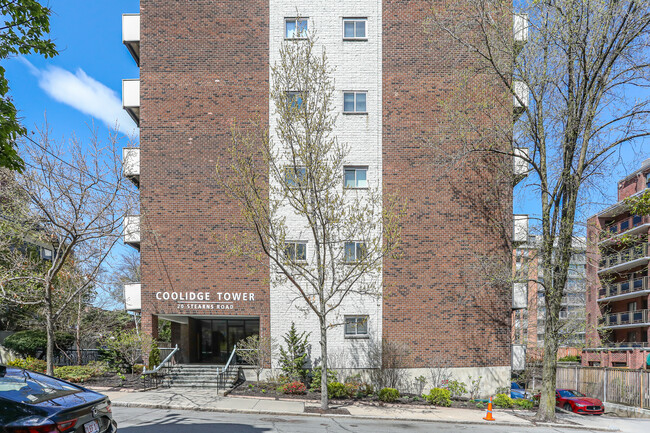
(205,300)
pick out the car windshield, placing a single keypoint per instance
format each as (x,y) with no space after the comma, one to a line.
(28,387)
(566,393)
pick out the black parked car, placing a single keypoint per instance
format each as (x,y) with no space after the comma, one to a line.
(36,403)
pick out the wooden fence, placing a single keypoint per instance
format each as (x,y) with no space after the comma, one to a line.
(629,387)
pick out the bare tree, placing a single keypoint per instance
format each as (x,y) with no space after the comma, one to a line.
(571,71)
(256,351)
(75,203)
(292,184)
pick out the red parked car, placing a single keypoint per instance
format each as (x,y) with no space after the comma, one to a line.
(577,402)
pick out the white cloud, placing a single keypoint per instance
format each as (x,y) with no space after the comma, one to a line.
(85,94)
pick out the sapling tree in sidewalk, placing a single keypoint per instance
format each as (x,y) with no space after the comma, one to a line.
(295,173)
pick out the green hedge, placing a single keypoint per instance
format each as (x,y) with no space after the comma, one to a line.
(388,395)
(438,397)
(503,401)
(34,341)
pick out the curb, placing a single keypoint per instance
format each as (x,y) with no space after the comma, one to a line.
(267,412)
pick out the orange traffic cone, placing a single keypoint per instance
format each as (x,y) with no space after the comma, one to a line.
(488,415)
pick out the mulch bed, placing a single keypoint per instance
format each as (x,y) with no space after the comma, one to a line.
(330,411)
(114,382)
(269,390)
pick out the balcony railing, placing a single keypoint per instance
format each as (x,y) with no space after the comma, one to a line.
(520,163)
(520,97)
(132,231)
(628,225)
(628,344)
(131,35)
(132,297)
(627,255)
(131,99)
(520,228)
(624,288)
(638,317)
(131,164)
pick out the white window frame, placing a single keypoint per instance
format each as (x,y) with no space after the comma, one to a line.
(295,244)
(355,37)
(357,245)
(353,321)
(355,93)
(296,20)
(356,182)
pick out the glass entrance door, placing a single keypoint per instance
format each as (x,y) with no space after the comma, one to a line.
(219,336)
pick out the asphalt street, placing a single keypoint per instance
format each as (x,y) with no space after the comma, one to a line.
(136,420)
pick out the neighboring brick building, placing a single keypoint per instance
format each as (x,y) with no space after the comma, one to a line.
(204,63)
(528,322)
(618,319)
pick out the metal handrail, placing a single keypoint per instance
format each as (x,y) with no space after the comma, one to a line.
(234,349)
(223,372)
(156,369)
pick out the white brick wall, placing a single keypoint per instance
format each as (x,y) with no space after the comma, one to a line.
(357,67)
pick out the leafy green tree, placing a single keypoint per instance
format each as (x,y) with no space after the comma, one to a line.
(33,342)
(26,24)
(154,356)
(292,360)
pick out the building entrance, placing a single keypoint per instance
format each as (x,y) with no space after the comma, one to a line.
(217,337)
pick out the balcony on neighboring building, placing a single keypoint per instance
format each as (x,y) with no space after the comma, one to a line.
(131,99)
(624,290)
(520,164)
(132,297)
(131,164)
(519,98)
(628,258)
(131,35)
(520,228)
(132,231)
(626,319)
(627,345)
(630,226)
(519,296)
(520,30)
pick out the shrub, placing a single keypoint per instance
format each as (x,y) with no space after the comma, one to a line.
(520,403)
(388,395)
(154,357)
(336,390)
(99,368)
(569,358)
(74,373)
(503,401)
(316,378)
(438,397)
(294,388)
(138,368)
(292,360)
(357,389)
(29,364)
(34,341)
(456,389)
(480,405)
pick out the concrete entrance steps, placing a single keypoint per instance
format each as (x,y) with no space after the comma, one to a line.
(197,376)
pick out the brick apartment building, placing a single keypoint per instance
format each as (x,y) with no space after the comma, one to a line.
(203,63)
(528,317)
(618,319)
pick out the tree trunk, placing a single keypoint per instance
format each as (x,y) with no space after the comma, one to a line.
(78,333)
(324,402)
(49,326)
(546,410)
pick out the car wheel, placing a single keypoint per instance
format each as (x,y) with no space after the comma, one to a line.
(568,407)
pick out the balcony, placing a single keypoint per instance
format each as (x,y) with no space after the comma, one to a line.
(131,164)
(132,231)
(519,98)
(131,99)
(627,319)
(132,297)
(519,296)
(520,228)
(520,29)
(131,35)
(627,345)
(624,290)
(625,259)
(520,164)
(632,225)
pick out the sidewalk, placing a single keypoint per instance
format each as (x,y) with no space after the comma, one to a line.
(207,400)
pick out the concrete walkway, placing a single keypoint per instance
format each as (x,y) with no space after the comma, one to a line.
(208,400)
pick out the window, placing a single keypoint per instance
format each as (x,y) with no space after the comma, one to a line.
(354,251)
(354,102)
(295,251)
(296,28)
(294,176)
(647,180)
(354,28)
(356,177)
(356,326)
(294,99)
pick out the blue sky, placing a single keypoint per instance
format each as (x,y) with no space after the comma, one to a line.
(84,83)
